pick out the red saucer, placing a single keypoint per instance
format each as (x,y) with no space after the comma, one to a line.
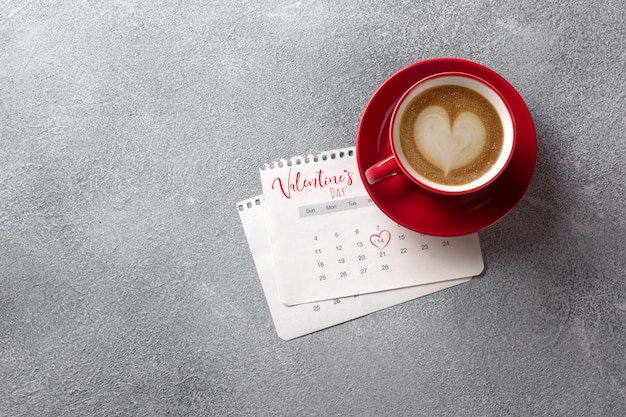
(433,214)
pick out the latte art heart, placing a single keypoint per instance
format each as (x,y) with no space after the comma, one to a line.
(447,145)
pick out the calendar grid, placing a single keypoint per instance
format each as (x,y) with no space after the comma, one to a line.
(324,248)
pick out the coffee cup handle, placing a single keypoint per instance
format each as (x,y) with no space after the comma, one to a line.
(384,169)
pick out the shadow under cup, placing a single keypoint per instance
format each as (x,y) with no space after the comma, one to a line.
(434,123)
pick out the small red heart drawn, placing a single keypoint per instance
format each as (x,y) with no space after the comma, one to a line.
(381,240)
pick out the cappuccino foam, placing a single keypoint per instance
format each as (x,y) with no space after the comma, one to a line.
(451,134)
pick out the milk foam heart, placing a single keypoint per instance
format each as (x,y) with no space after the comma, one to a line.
(445,145)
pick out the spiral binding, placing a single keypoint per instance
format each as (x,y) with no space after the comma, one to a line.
(311,158)
(251,203)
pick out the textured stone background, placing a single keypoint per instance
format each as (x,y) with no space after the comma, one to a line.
(129,129)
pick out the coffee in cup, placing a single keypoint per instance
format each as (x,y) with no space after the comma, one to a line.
(450,133)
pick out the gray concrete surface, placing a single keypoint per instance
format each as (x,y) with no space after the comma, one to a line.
(129,129)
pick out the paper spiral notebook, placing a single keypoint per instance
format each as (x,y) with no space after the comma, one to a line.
(318,241)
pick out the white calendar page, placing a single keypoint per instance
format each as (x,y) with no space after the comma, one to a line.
(329,240)
(302,319)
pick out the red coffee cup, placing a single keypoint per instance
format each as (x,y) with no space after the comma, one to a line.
(451,133)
